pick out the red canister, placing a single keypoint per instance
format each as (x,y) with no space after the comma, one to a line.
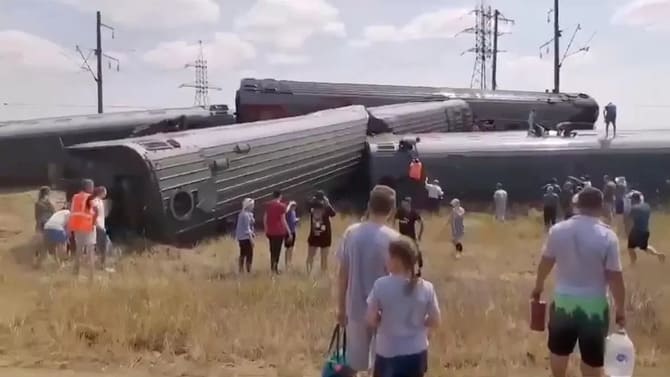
(538,315)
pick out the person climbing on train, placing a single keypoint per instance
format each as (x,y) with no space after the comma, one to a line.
(245,235)
(417,181)
(276,228)
(407,218)
(534,128)
(320,235)
(609,112)
(550,210)
(82,224)
(289,243)
(500,202)
(435,195)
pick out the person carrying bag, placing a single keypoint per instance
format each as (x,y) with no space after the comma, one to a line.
(336,364)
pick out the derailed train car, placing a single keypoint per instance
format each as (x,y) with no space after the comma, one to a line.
(33,151)
(180,186)
(419,117)
(470,164)
(499,110)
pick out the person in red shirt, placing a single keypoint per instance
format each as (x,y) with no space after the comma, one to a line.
(276,228)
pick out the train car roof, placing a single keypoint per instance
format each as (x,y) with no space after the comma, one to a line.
(413,107)
(62,124)
(515,143)
(353,89)
(163,145)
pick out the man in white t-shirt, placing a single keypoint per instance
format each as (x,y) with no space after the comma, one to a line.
(435,195)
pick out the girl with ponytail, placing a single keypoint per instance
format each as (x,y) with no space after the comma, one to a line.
(402,307)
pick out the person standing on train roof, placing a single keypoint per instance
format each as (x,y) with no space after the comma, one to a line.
(610,118)
(276,228)
(534,128)
(500,202)
(435,195)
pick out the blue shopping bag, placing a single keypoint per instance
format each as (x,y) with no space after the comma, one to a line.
(336,362)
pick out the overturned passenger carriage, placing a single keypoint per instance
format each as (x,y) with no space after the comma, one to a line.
(420,117)
(184,185)
(33,151)
(470,164)
(499,110)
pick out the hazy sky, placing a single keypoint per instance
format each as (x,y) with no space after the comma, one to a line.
(372,41)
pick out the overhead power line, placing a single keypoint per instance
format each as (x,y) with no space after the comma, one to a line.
(100,55)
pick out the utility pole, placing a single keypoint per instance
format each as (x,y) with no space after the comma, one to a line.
(485,31)
(201,84)
(99,54)
(557,49)
(558,33)
(497,16)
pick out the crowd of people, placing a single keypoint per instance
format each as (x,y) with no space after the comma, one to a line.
(77,231)
(385,304)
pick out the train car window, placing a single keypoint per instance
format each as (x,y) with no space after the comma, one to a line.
(173,143)
(182,205)
(155,145)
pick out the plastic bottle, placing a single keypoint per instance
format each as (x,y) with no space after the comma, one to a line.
(619,355)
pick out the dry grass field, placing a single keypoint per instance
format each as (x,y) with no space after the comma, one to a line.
(187,313)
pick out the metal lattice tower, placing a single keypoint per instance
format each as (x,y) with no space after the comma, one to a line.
(485,36)
(483,32)
(201,84)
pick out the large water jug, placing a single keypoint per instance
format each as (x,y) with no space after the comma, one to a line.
(619,355)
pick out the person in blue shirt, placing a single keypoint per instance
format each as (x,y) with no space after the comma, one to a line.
(289,242)
(638,237)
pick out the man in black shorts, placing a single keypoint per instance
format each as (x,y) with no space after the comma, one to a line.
(407,218)
(638,237)
(585,252)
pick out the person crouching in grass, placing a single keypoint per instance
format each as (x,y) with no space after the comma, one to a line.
(402,307)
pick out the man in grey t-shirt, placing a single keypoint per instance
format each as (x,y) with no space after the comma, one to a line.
(585,252)
(362,254)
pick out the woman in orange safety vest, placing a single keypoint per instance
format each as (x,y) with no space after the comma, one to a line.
(82,224)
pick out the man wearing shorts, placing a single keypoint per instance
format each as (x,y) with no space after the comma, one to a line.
(638,237)
(407,218)
(362,256)
(585,252)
